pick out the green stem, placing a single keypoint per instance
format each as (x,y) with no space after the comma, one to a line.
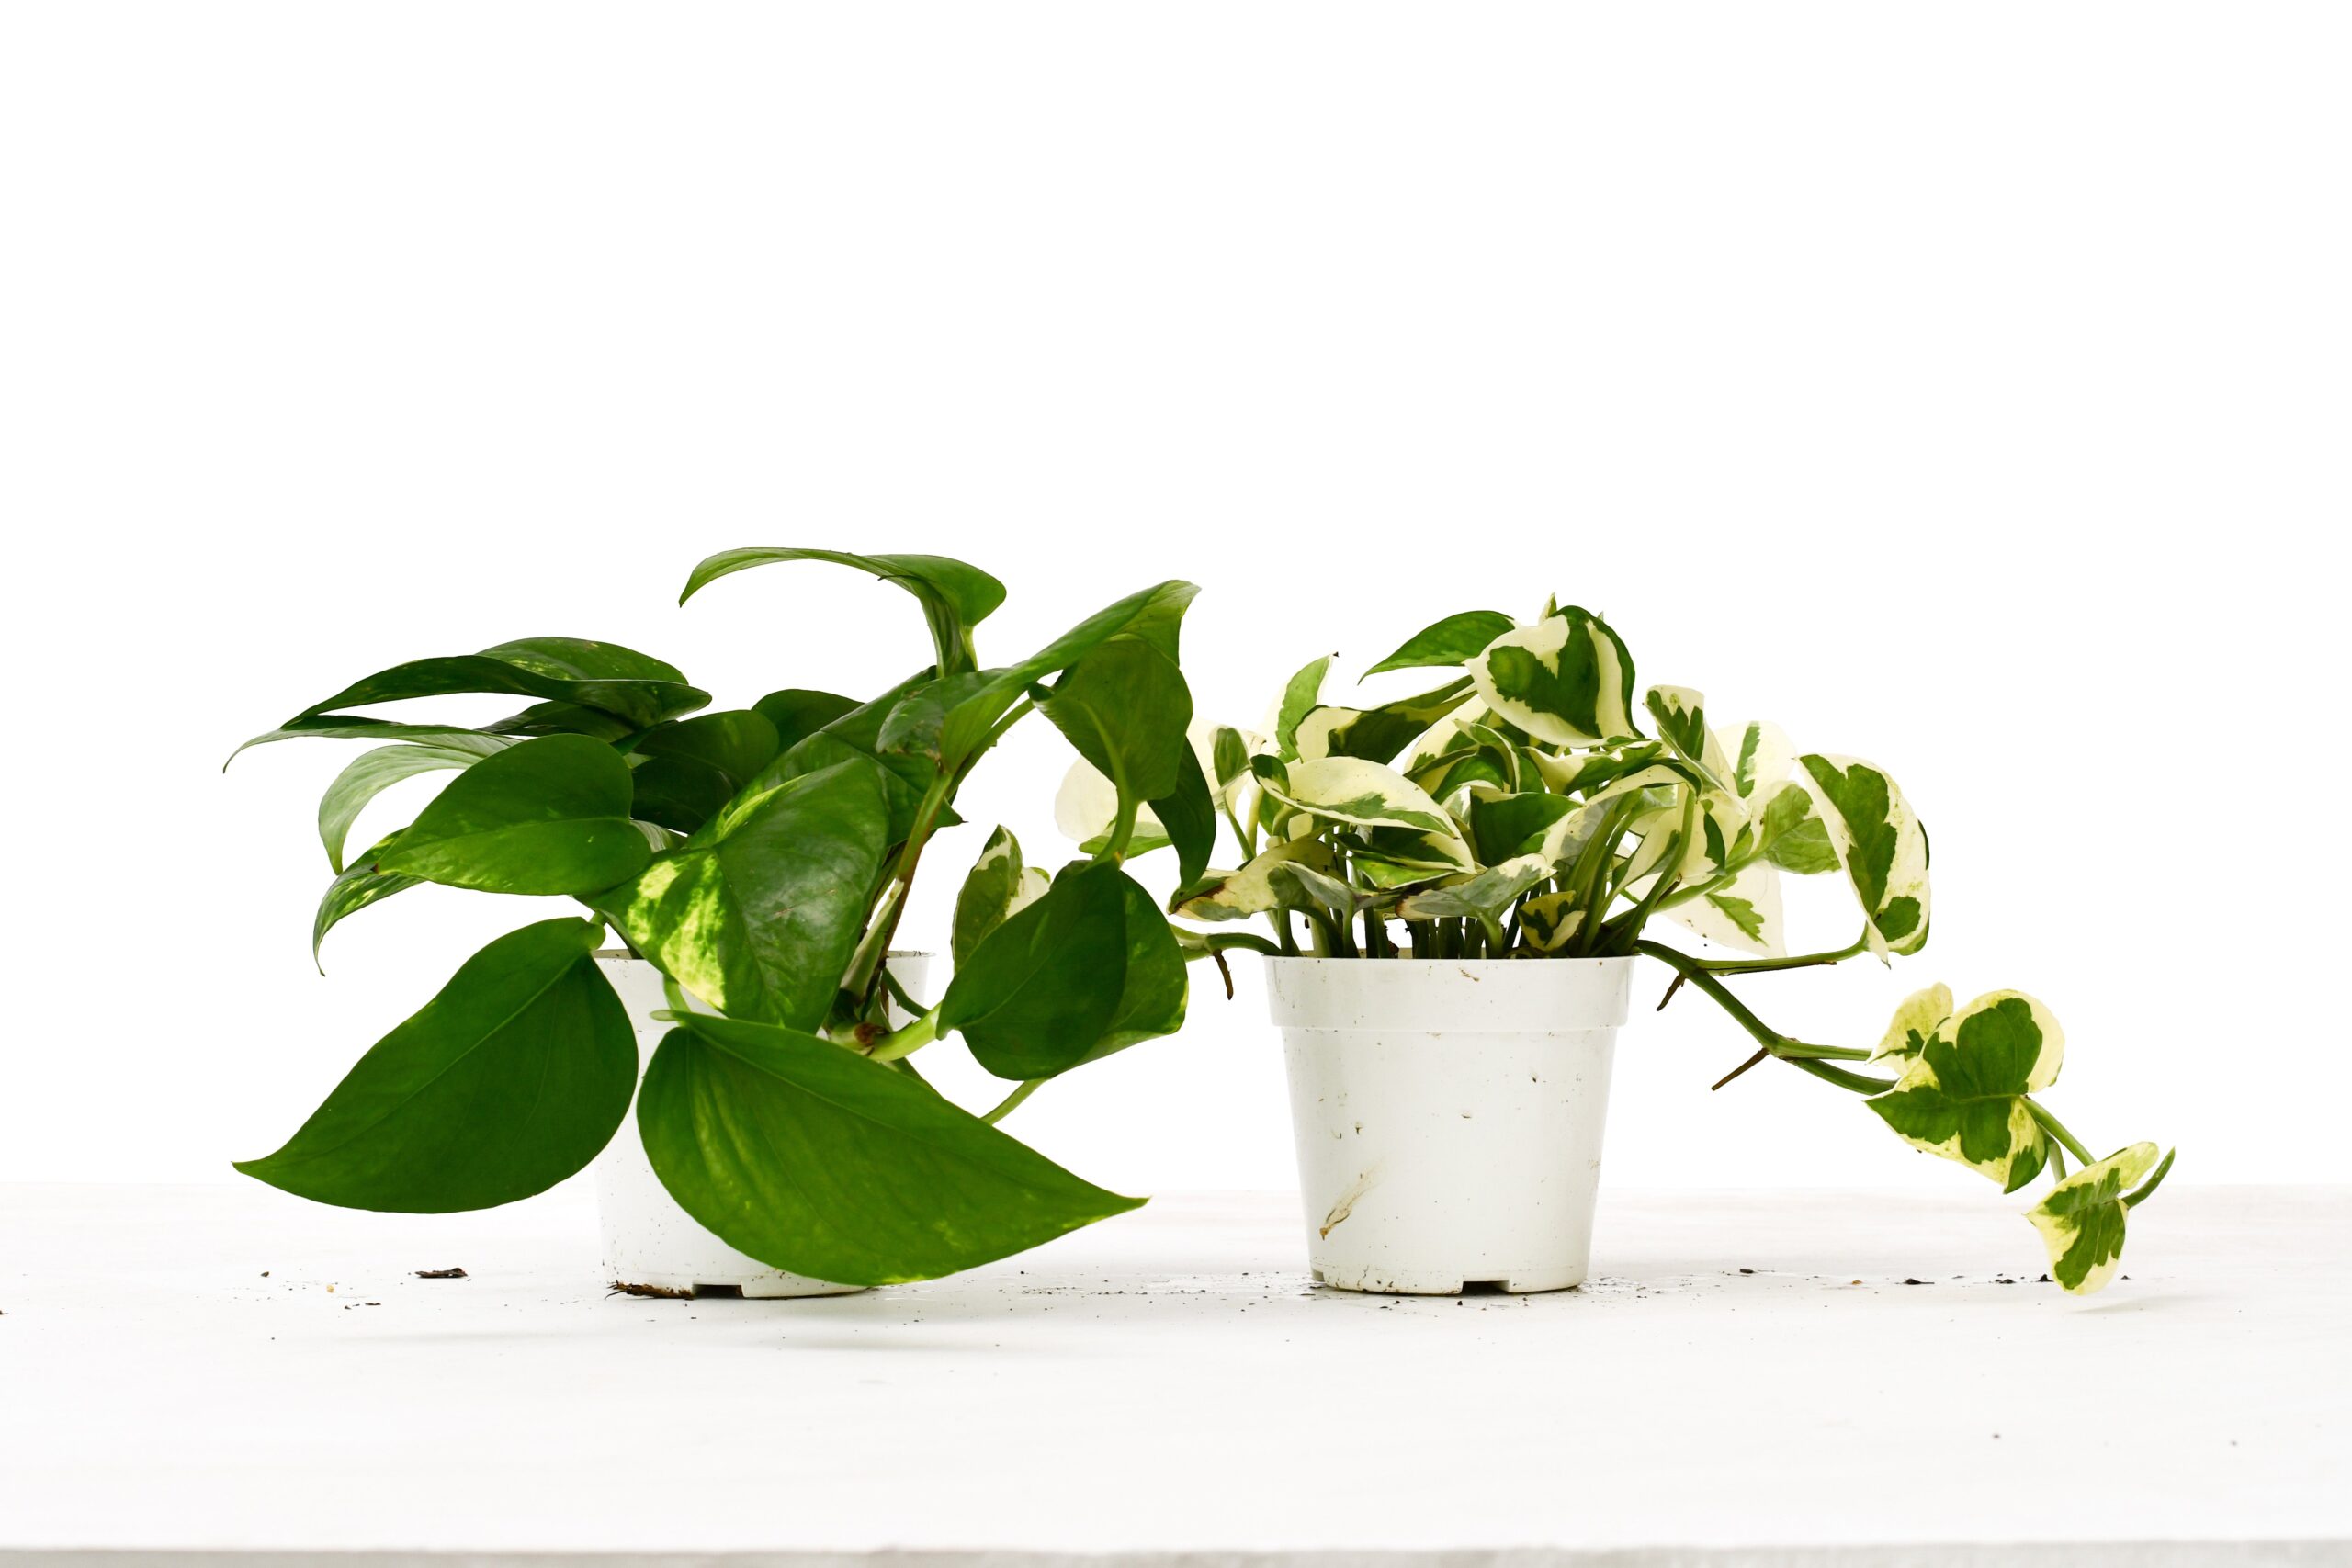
(1122,828)
(1767,965)
(1795,1048)
(2057,1128)
(907,1041)
(1861,1083)
(1794,1052)
(1006,1106)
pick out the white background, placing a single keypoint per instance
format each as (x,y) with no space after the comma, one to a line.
(1963,388)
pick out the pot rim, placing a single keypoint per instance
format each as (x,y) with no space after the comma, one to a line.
(1440,963)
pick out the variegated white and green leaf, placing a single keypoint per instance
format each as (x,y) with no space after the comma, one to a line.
(1300,697)
(1919,1018)
(1568,680)
(1548,922)
(997,887)
(1878,841)
(1376,734)
(1761,760)
(1299,885)
(1238,895)
(1680,715)
(2082,1218)
(1744,913)
(1483,895)
(1964,1095)
(1352,791)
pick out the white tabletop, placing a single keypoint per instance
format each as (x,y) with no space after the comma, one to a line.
(230,1370)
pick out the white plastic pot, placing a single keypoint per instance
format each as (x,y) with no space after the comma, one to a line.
(1449,1115)
(649,1242)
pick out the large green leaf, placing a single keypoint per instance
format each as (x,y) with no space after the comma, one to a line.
(546,816)
(601,675)
(1963,1095)
(797,713)
(1040,991)
(353,890)
(2081,1218)
(1879,840)
(1152,617)
(692,767)
(1566,680)
(1453,640)
(814,1160)
(372,772)
(759,911)
(1187,815)
(856,734)
(1124,707)
(1088,969)
(503,1084)
(954,596)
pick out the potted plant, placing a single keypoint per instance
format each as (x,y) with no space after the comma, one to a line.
(748,868)
(1458,884)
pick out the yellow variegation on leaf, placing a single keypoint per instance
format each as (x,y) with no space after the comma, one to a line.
(1963,1095)
(2081,1218)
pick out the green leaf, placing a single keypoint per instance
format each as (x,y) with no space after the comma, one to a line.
(692,767)
(1041,990)
(563,718)
(1187,816)
(372,772)
(2081,1218)
(1502,826)
(1300,697)
(1124,707)
(1155,986)
(353,890)
(759,912)
(546,816)
(1792,837)
(954,596)
(503,1084)
(997,887)
(1681,716)
(601,675)
(1963,1095)
(797,714)
(814,1160)
(1152,617)
(1566,680)
(1453,640)
(1880,843)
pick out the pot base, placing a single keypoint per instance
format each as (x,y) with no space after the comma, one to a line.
(1390,1284)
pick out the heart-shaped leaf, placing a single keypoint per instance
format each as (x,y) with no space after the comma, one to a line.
(814,1160)
(372,772)
(997,887)
(507,1082)
(1566,680)
(353,890)
(1453,640)
(954,596)
(1877,840)
(759,912)
(546,816)
(1963,1095)
(2082,1218)
(600,675)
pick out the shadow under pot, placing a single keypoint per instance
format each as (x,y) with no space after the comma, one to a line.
(653,1246)
(1449,1116)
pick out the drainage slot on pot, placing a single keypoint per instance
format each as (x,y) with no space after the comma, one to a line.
(734,1290)
(1484,1288)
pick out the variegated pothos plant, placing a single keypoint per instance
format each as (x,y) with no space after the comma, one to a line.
(1522,809)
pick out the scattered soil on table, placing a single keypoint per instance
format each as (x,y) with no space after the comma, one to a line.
(622,1287)
(442,1274)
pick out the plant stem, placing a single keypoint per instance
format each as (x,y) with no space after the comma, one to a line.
(2057,1128)
(1767,965)
(1005,1107)
(1794,1052)
(907,1041)
(1122,828)
(1861,1083)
